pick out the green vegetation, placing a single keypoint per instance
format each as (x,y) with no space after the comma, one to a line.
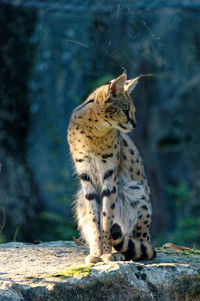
(15,234)
(56,226)
(2,238)
(78,271)
(186,232)
(187,228)
(181,193)
(182,252)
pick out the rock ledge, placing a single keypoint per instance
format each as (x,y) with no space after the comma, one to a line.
(56,271)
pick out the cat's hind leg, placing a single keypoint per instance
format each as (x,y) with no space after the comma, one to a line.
(130,231)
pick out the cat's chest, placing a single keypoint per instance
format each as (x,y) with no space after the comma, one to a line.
(97,166)
(100,163)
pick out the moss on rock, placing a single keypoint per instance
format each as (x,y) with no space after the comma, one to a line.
(78,271)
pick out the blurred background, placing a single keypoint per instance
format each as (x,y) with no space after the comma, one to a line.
(52,54)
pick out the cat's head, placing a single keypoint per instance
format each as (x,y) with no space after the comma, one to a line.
(116,103)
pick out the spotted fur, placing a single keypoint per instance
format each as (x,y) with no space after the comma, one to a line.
(112,207)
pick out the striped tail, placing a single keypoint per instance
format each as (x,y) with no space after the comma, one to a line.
(132,249)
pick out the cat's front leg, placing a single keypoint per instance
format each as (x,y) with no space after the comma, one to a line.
(93,213)
(109,194)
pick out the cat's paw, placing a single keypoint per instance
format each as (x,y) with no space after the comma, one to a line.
(107,257)
(92,259)
(113,257)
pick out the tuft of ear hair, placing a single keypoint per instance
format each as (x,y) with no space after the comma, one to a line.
(130,85)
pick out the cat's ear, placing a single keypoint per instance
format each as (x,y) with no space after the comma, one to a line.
(130,85)
(117,84)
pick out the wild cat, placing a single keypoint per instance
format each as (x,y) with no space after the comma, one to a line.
(113,206)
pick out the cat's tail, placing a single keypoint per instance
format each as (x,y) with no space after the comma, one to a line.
(133,249)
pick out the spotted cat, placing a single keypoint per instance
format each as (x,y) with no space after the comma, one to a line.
(113,206)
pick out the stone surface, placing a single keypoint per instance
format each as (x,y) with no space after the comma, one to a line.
(56,271)
(60,58)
